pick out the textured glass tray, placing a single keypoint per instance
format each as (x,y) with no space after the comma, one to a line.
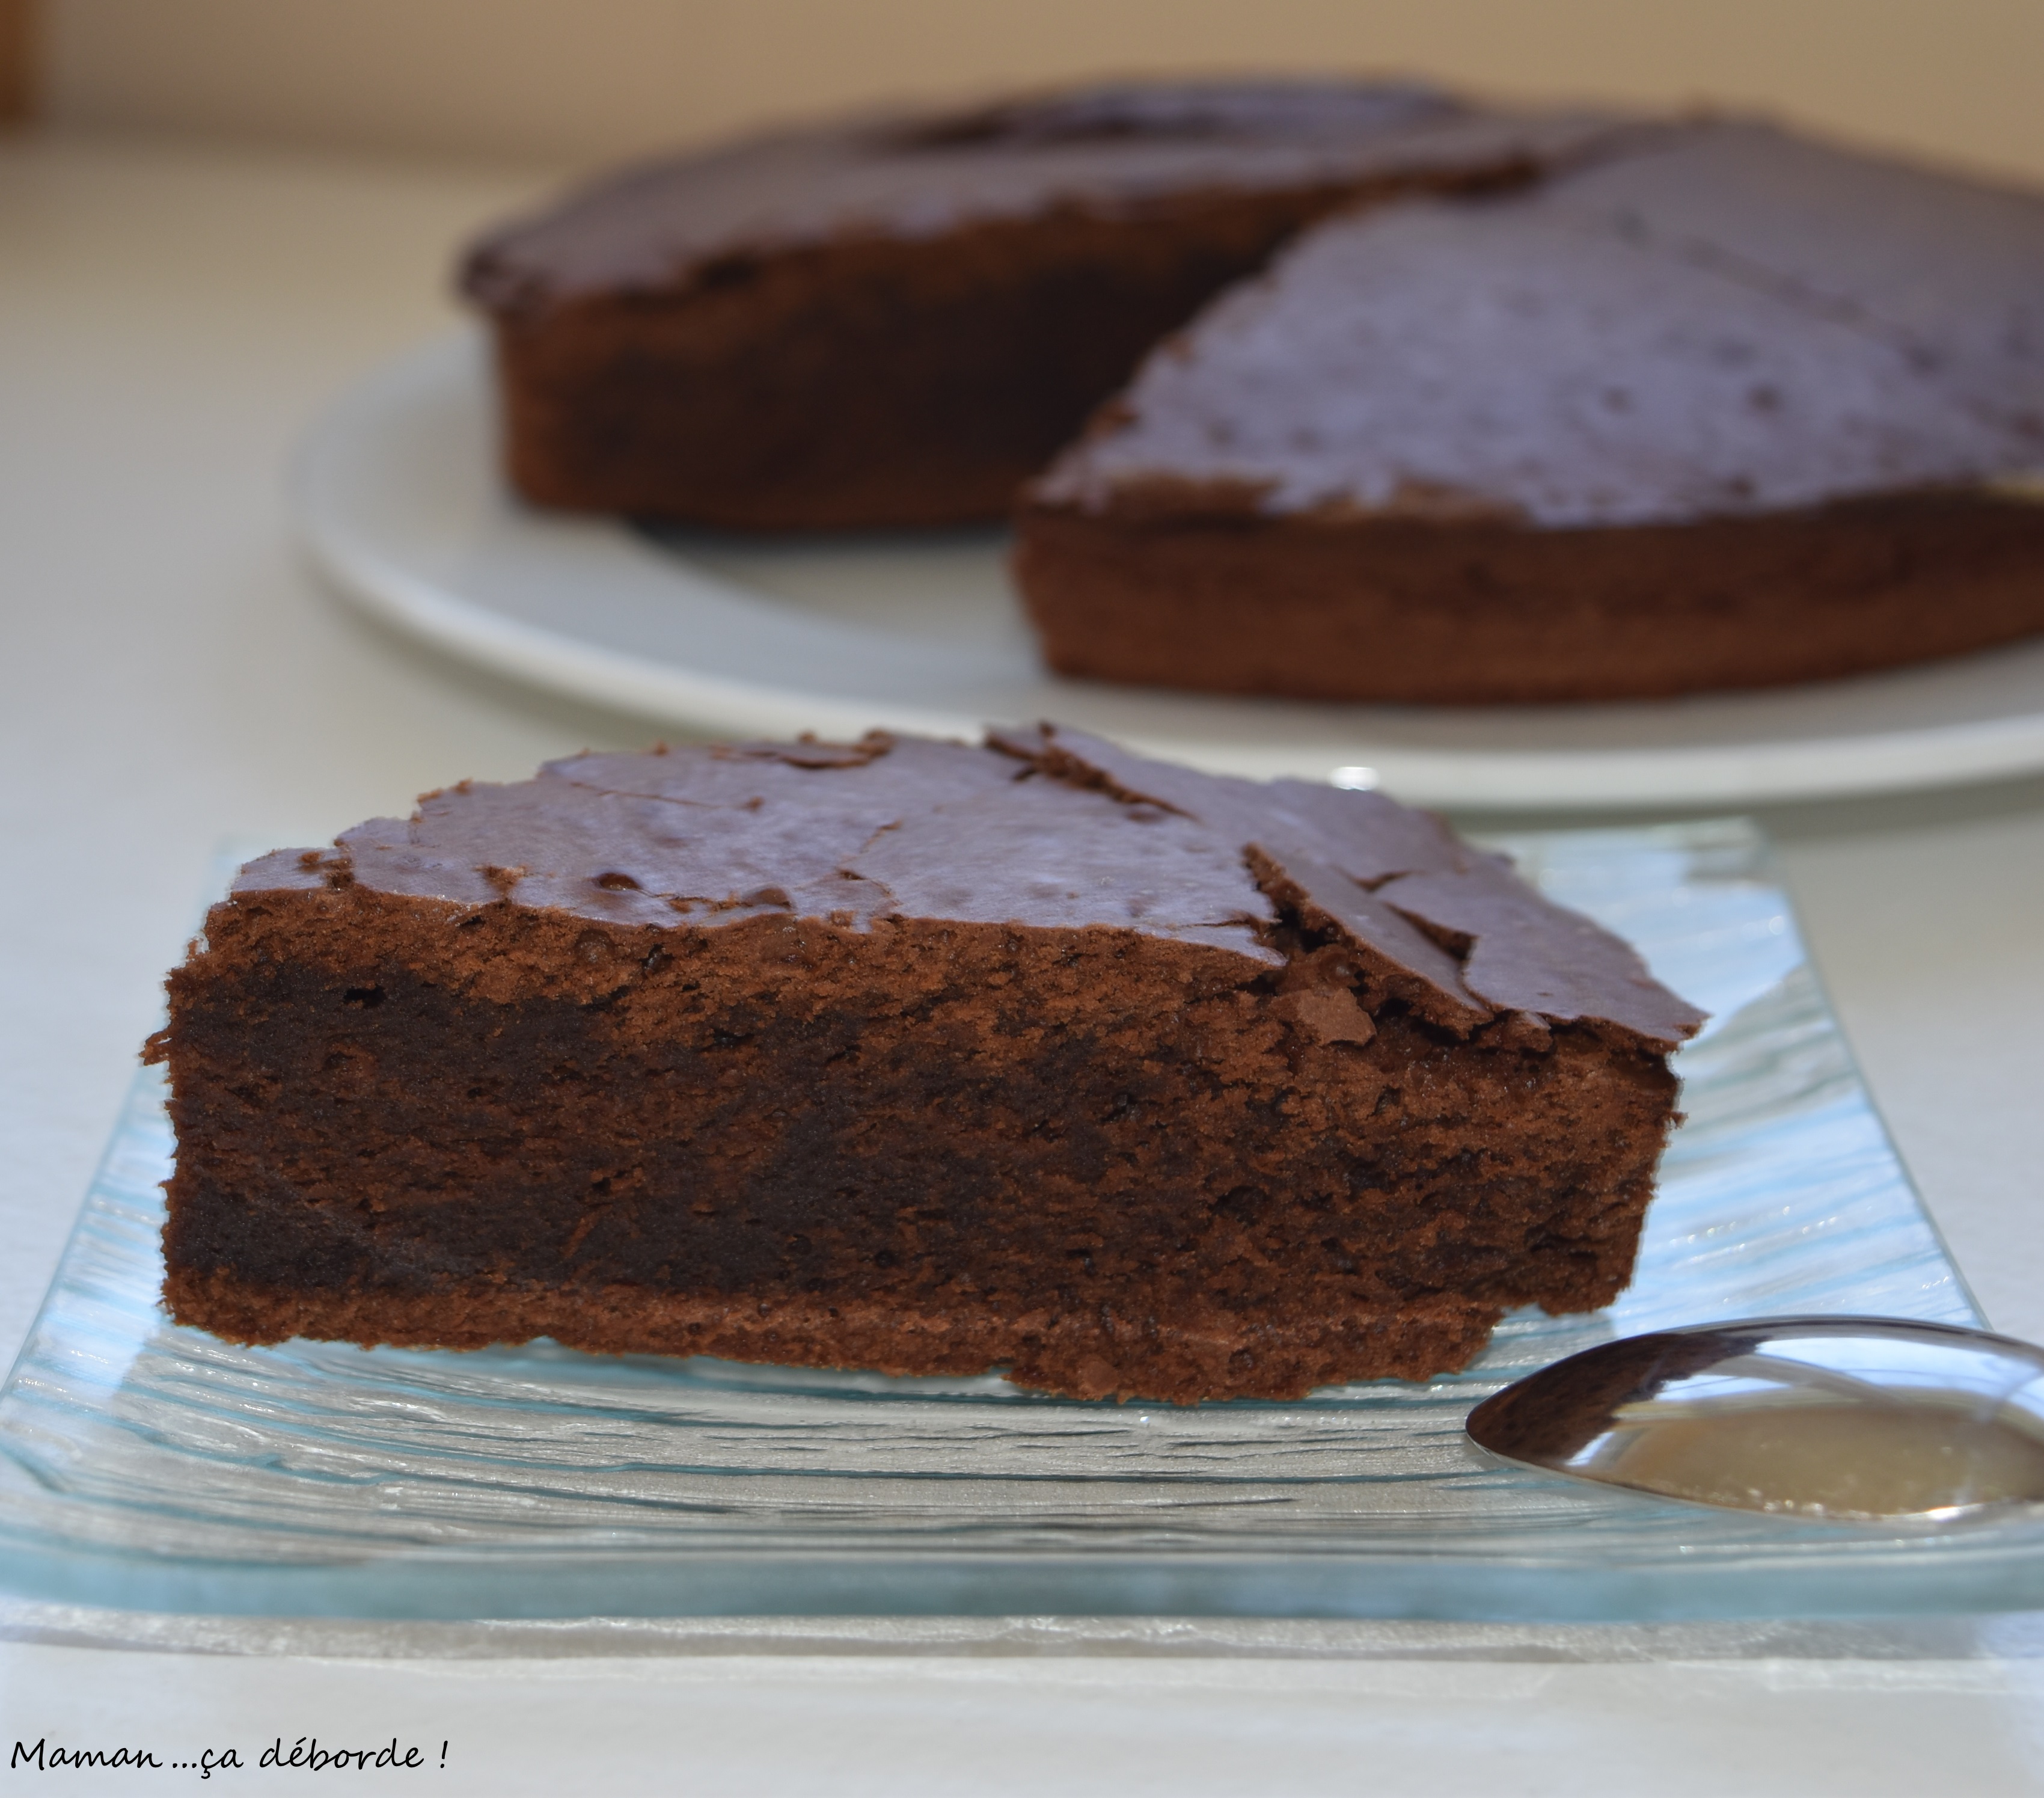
(150,1467)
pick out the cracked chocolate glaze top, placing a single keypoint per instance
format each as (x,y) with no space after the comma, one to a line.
(669,226)
(1045,828)
(1724,319)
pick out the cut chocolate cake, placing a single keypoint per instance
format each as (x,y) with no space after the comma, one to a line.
(916,1056)
(1527,407)
(1729,408)
(897,320)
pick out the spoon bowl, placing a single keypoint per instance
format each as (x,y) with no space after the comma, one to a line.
(1848,1419)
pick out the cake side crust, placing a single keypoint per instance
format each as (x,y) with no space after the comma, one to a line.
(1099,1356)
(1489,613)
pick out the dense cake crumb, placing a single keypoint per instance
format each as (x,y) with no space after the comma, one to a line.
(912,1056)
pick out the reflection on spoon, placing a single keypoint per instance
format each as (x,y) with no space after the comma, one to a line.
(1828,1417)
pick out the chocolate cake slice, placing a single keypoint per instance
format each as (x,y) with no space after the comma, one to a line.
(895,321)
(911,1055)
(1731,409)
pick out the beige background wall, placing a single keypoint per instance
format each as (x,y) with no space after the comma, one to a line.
(581,80)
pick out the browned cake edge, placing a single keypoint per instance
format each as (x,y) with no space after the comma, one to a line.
(1474,612)
(1079,1356)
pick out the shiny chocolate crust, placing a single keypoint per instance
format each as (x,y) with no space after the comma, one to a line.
(1731,409)
(916,1056)
(896,321)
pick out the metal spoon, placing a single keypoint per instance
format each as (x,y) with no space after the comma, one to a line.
(1825,1417)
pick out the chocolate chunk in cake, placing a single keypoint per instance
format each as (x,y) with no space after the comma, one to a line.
(916,1056)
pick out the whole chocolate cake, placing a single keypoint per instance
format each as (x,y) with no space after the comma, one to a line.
(897,320)
(916,1056)
(1727,410)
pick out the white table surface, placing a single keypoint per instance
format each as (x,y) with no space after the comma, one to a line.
(170,317)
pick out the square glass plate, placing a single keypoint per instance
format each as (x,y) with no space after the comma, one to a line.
(146,1466)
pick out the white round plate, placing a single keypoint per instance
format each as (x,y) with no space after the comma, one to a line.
(397,496)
